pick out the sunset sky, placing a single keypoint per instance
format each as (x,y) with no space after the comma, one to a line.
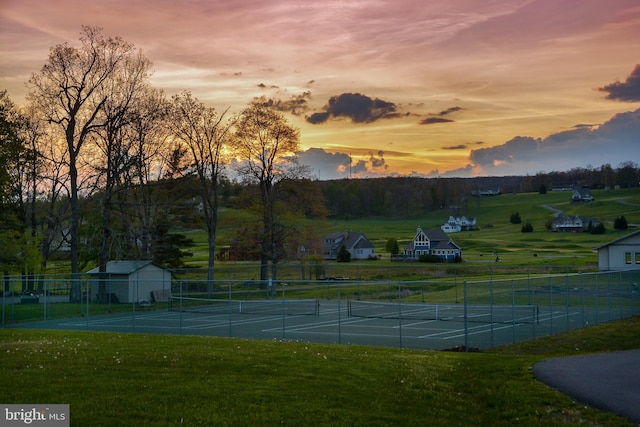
(402,87)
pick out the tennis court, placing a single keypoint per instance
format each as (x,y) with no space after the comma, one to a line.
(330,321)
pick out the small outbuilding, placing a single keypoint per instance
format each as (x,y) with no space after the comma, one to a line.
(132,281)
(620,254)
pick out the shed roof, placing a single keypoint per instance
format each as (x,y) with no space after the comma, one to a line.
(124,267)
(617,240)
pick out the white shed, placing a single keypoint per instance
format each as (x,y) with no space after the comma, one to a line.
(620,254)
(132,281)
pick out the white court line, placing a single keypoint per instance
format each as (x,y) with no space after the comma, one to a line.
(330,323)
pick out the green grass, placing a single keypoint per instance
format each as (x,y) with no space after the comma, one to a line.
(112,379)
(494,234)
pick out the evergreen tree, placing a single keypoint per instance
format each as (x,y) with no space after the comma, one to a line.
(343,254)
(392,246)
(620,223)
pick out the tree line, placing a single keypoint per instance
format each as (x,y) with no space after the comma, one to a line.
(411,196)
(95,129)
(100,165)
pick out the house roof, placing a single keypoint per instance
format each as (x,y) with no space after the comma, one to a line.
(438,239)
(617,240)
(124,267)
(350,240)
(357,240)
(435,234)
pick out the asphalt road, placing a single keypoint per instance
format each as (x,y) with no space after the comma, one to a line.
(607,381)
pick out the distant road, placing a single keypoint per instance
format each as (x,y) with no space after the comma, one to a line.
(556,212)
(624,202)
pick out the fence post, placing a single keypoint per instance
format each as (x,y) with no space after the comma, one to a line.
(284,324)
(595,322)
(490,310)
(400,313)
(609,297)
(567,302)
(340,311)
(513,312)
(550,305)
(466,323)
(229,310)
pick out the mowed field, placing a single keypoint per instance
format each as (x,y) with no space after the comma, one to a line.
(495,234)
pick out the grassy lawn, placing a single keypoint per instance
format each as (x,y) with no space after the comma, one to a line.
(495,233)
(116,379)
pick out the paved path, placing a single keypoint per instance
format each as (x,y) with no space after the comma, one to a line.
(607,381)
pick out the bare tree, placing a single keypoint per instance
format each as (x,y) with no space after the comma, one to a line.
(122,91)
(148,135)
(66,91)
(266,146)
(205,134)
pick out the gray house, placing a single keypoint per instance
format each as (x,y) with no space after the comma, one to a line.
(573,224)
(620,254)
(355,243)
(132,281)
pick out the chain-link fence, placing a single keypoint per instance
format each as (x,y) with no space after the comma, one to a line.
(432,311)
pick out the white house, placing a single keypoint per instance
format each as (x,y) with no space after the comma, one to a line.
(132,281)
(457,224)
(581,195)
(451,228)
(432,242)
(355,243)
(620,254)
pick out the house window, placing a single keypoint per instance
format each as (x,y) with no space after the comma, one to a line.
(627,257)
(637,254)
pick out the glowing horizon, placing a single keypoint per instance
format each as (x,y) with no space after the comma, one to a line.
(460,88)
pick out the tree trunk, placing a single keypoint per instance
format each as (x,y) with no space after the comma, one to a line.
(76,287)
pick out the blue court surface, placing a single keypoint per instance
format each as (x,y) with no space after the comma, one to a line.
(331,324)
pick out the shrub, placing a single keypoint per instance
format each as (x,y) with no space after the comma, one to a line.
(392,246)
(515,218)
(428,258)
(620,223)
(343,255)
(598,229)
(527,227)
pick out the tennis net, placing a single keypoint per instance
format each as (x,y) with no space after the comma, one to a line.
(228,306)
(444,312)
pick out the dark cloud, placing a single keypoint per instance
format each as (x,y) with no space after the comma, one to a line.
(357,107)
(449,111)
(439,117)
(377,160)
(432,120)
(264,86)
(296,105)
(628,91)
(325,165)
(455,147)
(605,144)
